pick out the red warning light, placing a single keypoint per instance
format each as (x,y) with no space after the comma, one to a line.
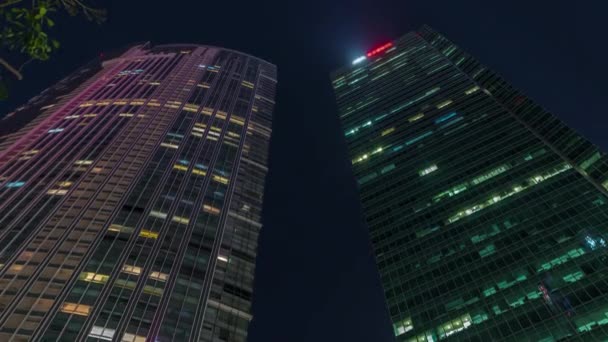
(379,49)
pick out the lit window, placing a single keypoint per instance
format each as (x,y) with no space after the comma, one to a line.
(222,258)
(445,117)
(159,276)
(76,309)
(220,179)
(83,162)
(180,219)
(58,192)
(211,209)
(199,172)
(444,104)
(428,170)
(180,167)
(128,115)
(148,234)
(388,131)
(416,117)
(64,184)
(94,277)
(403,326)
(120,229)
(168,145)
(72,117)
(55,130)
(102,333)
(472,90)
(14,184)
(89,115)
(158,214)
(130,269)
(133,338)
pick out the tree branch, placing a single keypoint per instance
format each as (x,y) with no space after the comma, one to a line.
(6,3)
(11,69)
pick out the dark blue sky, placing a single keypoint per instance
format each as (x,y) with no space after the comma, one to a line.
(316,278)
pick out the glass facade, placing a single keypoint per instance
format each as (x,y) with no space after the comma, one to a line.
(130,199)
(487,215)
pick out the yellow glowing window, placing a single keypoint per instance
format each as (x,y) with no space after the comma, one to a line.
(198,129)
(128,115)
(72,117)
(388,131)
(94,277)
(211,138)
(232,134)
(25,158)
(89,115)
(207,111)
(133,338)
(254,109)
(130,269)
(217,129)
(85,105)
(154,104)
(171,106)
(64,184)
(220,179)
(247,84)
(199,172)
(159,276)
(169,145)
(237,120)
(103,103)
(16,268)
(30,152)
(444,104)
(200,125)
(210,209)
(198,135)
(59,192)
(221,115)
(47,107)
(76,309)
(148,234)
(179,219)
(191,107)
(203,85)
(180,167)
(137,103)
(154,83)
(472,90)
(416,117)
(120,102)
(96,169)
(83,162)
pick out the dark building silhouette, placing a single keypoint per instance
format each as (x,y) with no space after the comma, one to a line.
(486,213)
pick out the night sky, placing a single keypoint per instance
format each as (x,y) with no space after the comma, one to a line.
(316,279)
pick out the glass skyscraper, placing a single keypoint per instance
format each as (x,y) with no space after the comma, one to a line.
(130,198)
(487,215)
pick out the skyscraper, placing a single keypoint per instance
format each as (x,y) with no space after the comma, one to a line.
(130,198)
(487,215)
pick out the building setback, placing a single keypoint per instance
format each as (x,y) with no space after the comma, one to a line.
(487,215)
(130,198)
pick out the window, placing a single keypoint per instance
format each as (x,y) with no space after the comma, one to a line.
(403,326)
(76,309)
(427,170)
